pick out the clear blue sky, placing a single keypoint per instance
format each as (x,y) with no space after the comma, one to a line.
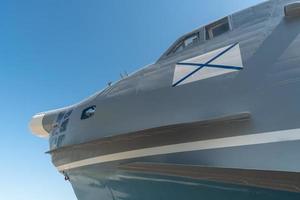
(56,52)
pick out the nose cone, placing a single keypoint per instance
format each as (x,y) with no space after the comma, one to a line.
(36,125)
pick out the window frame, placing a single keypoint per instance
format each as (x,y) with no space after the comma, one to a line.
(202,36)
(181,42)
(210,27)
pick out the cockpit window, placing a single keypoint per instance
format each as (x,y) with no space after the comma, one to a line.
(203,34)
(191,40)
(178,48)
(186,42)
(217,28)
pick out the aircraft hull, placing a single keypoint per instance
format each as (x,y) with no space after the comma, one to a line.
(115,180)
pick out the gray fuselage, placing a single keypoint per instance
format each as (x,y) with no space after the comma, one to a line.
(87,137)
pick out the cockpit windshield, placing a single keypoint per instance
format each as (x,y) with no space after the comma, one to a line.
(208,32)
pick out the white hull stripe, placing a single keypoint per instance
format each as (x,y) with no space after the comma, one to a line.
(260,138)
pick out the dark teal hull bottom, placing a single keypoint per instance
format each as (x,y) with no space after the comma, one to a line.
(108,182)
(122,185)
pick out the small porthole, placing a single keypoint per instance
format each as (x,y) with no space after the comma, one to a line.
(88,112)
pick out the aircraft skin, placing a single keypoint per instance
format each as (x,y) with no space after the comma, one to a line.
(217,119)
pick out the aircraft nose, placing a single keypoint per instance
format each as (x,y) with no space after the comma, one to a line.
(36,125)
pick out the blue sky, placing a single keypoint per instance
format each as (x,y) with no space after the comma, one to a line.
(56,52)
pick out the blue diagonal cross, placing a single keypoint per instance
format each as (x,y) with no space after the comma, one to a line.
(207,64)
(212,65)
